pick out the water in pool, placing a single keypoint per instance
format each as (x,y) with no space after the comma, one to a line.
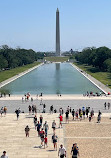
(53,78)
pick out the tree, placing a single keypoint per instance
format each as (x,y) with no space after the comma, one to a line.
(94,56)
(3,62)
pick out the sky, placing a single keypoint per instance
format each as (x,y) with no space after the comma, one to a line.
(31,24)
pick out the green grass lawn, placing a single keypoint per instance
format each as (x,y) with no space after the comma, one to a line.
(104,77)
(4,75)
(57,59)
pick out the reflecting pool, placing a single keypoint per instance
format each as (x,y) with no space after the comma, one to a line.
(53,78)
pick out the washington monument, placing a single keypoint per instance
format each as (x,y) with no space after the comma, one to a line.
(57,34)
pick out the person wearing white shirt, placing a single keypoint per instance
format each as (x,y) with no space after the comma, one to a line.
(4,155)
(62,151)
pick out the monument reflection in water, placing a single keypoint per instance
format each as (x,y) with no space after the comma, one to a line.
(54,78)
(57,77)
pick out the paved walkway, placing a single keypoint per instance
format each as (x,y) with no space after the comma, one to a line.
(96,104)
(13,140)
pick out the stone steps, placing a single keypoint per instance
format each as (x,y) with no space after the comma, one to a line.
(13,140)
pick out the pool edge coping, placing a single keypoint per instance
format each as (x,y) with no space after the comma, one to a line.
(2,84)
(79,70)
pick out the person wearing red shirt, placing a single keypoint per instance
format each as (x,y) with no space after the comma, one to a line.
(42,133)
(60,120)
(45,141)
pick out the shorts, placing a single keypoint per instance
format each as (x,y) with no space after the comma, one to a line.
(74,156)
(42,139)
(53,128)
(54,141)
(62,156)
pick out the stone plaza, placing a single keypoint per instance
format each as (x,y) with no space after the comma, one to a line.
(90,136)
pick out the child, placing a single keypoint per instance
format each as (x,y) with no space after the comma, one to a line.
(45,141)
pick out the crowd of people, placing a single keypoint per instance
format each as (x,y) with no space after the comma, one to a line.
(42,132)
(88,94)
(42,127)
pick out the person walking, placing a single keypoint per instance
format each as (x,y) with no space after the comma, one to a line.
(35,109)
(73,113)
(84,114)
(32,109)
(54,140)
(77,114)
(67,116)
(108,105)
(62,151)
(99,117)
(44,107)
(70,110)
(17,111)
(92,113)
(5,110)
(42,134)
(60,111)
(41,119)
(87,111)
(53,125)
(45,142)
(105,105)
(51,109)
(75,151)
(1,111)
(4,155)
(46,127)
(80,112)
(27,129)
(60,120)
(35,121)
(38,125)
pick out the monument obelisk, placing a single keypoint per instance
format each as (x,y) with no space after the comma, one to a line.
(57,34)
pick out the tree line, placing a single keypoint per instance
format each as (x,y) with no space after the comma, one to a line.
(11,58)
(99,58)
